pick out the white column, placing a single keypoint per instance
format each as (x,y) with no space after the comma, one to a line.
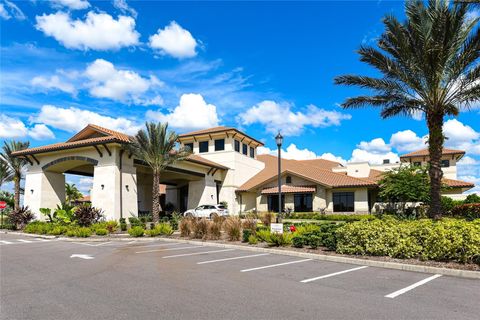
(202,192)
(105,193)
(129,191)
(44,190)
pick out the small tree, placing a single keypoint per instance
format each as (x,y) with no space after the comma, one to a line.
(405,184)
(15,165)
(72,193)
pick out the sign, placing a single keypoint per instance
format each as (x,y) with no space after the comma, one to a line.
(3,205)
(276,228)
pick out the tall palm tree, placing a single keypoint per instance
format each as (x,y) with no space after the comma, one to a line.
(72,193)
(15,164)
(6,175)
(429,64)
(156,146)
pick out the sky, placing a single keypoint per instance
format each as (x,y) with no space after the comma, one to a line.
(258,66)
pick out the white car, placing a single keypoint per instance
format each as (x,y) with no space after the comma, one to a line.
(207,211)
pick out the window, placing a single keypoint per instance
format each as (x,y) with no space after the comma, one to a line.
(252,152)
(343,201)
(417,164)
(288,179)
(189,146)
(445,163)
(237,145)
(303,202)
(203,146)
(245,149)
(273,202)
(219,144)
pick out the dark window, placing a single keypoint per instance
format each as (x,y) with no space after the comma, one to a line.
(273,202)
(386,161)
(288,179)
(343,201)
(252,152)
(445,163)
(237,145)
(219,144)
(245,149)
(303,202)
(203,146)
(189,146)
(417,164)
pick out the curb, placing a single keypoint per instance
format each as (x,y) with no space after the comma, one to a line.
(320,257)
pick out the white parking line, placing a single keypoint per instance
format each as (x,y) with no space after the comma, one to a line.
(25,241)
(5,242)
(235,258)
(197,253)
(159,245)
(275,265)
(413,286)
(170,249)
(333,274)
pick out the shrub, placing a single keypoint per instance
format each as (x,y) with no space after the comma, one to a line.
(306,228)
(86,215)
(214,230)
(332,217)
(263,235)
(267,218)
(448,204)
(472,198)
(83,232)
(111,226)
(252,239)
(469,211)
(36,227)
(134,222)
(71,232)
(200,228)
(175,220)
(246,233)
(164,228)
(20,217)
(152,232)
(57,230)
(250,224)
(101,232)
(280,239)
(185,227)
(233,228)
(136,231)
(298,241)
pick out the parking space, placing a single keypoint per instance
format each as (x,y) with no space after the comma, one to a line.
(189,277)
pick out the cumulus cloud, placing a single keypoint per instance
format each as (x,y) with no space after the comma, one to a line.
(280,117)
(15,128)
(70,4)
(99,31)
(374,152)
(377,145)
(461,136)
(74,119)
(293,152)
(54,83)
(407,141)
(106,81)
(124,8)
(191,113)
(9,9)
(175,41)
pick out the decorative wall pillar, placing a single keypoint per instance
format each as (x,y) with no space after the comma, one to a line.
(44,190)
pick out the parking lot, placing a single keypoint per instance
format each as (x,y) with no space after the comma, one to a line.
(57,279)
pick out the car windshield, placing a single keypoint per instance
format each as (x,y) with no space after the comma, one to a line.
(221,207)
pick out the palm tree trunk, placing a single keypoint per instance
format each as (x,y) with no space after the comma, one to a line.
(16,196)
(156,197)
(435,147)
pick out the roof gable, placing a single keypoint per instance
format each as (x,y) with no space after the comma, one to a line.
(94,131)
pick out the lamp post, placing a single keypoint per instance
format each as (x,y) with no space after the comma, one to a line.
(279,141)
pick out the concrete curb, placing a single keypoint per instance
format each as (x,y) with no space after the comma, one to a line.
(31,235)
(356,261)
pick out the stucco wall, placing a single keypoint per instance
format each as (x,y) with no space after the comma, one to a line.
(360,199)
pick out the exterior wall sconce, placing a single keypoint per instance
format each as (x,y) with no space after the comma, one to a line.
(126,187)
(31,191)
(103,186)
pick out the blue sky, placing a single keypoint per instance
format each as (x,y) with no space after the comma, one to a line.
(261,67)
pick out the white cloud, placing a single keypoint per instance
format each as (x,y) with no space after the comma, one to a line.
(9,9)
(3,12)
(15,128)
(406,141)
(359,155)
(74,119)
(121,85)
(70,4)
(175,41)
(280,117)
(191,113)
(332,157)
(124,8)
(54,82)
(294,153)
(377,145)
(461,136)
(99,31)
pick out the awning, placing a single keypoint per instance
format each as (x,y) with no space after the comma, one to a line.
(290,189)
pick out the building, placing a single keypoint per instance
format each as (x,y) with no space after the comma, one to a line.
(224,166)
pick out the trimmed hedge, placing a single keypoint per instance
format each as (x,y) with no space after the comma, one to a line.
(469,211)
(444,240)
(331,217)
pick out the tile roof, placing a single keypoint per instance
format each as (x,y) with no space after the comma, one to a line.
(322,163)
(201,160)
(457,183)
(302,169)
(424,152)
(290,189)
(107,132)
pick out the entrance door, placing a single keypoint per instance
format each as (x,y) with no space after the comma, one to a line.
(183,199)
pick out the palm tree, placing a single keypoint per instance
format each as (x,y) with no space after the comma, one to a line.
(6,175)
(429,65)
(157,148)
(15,164)
(72,193)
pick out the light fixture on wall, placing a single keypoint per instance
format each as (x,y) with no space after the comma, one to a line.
(103,186)
(211,196)
(31,191)
(126,187)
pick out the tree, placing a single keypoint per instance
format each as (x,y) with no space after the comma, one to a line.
(156,146)
(404,184)
(15,165)
(429,65)
(72,193)
(6,175)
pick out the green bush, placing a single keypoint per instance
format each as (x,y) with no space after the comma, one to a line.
(83,232)
(280,239)
(444,240)
(136,231)
(58,230)
(152,232)
(331,217)
(252,239)
(164,228)
(448,204)
(469,211)
(101,232)
(123,226)
(472,198)
(111,226)
(298,241)
(263,235)
(246,233)
(71,232)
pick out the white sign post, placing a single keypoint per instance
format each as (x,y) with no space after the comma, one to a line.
(276,228)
